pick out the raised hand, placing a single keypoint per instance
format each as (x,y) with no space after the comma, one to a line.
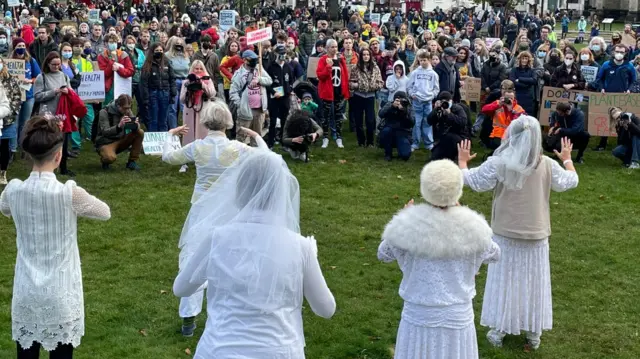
(565,151)
(464,152)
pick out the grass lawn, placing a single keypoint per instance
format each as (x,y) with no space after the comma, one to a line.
(129,262)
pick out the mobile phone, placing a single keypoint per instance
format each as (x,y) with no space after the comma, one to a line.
(63,87)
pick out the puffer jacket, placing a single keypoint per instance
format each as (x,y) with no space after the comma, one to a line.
(526,81)
(493,75)
(561,76)
(307,42)
(239,95)
(364,81)
(159,78)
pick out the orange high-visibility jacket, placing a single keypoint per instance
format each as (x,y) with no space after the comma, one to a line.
(501,116)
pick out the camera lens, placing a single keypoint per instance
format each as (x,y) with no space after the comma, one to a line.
(445,105)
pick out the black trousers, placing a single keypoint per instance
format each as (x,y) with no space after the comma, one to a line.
(446,147)
(580,142)
(5,154)
(62,351)
(603,142)
(278,108)
(65,152)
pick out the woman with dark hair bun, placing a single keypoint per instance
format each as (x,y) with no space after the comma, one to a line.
(48,308)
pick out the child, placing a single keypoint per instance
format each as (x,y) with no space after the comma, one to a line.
(308,105)
(595,30)
(435,59)
(399,81)
(439,246)
(423,87)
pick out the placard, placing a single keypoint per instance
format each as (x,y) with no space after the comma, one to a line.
(374,18)
(489,41)
(385,18)
(589,72)
(552,95)
(153,143)
(121,86)
(15,68)
(257,36)
(312,67)
(471,90)
(227,19)
(12,3)
(628,40)
(92,86)
(94,15)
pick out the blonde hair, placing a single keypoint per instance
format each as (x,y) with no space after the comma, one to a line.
(198,63)
(173,41)
(415,46)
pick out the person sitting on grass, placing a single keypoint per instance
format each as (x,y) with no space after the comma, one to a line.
(118,131)
(300,131)
(397,121)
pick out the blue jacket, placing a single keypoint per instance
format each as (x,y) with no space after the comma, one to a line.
(616,78)
(570,125)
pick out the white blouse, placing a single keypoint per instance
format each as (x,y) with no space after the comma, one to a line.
(211,155)
(48,304)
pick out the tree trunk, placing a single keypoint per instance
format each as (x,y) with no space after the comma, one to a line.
(182,6)
(334,9)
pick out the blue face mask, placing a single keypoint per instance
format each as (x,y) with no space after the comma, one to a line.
(595,48)
(20,51)
(112,46)
(542,54)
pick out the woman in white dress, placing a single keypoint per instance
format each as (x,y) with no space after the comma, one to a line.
(517,294)
(211,155)
(439,247)
(47,309)
(256,264)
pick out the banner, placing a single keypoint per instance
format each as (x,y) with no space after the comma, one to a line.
(12,3)
(16,68)
(257,36)
(471,90)
(94,15)
(92,86)
(374,18)
(590,73)
(121,86)
(153,143)
(227,19)
(312,67)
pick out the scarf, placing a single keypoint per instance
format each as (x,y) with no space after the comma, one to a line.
(452,76)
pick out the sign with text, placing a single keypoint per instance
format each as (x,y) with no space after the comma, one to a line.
(94,15)
(490,41)
(227,19)
(92,86)
(590,73)
(121,86)
(153,143)
(312,67)
(12,3)
(257,36)
(385,19)
(471,90)
(15,67)
(375,18)
(552,95)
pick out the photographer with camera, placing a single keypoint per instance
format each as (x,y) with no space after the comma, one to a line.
(117,132)
(567,121)
(450,126)
(502,112)
(299,132)
(628,130)
(396,125)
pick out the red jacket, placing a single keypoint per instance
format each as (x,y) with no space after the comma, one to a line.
(70,105)
(230,65)
(213,32)
(325,84)
(27,35)
(106,64)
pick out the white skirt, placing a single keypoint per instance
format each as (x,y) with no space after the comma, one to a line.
(517,295)
(418,342)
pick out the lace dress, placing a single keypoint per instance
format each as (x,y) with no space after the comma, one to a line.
(437,318)
(48,304)
(517,294)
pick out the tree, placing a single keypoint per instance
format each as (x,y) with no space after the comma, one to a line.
(334,9)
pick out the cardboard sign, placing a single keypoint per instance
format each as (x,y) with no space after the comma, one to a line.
(590,73)
(92,86)
(552,95)
(94,15)
(153,143)
(599,105)
(374,18)
(12,3)
(257,36)
(385,19)
(471,90)
(628,40)
(490,41)
(15,67)
(312,66)
(121,86)
(227,19)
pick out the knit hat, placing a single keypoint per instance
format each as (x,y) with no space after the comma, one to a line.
(16,41)
(441,183)
(375,39)
(306,95)
(465,43)
(450,51)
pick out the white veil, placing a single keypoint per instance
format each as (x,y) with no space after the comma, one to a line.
(520,152)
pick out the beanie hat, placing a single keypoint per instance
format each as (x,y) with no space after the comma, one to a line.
(465,43)
(307,95)
(441,183)
(16,41)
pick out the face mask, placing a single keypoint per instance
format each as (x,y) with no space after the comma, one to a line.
(131,46)
(87,51)
(207,46)
(494,58)
(3,41)
(584,57)
(568,62)
(112,46)
(135,34)
(595,48)
(157,55)
(67,54)
(179,48)
(20,51)
(619,57)
(252,63)
(542,54)
(77,52)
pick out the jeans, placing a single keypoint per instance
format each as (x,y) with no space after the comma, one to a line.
(422,132)
(382,96)
(628,154)
(158,104)
(172,117)
(21,119)
(390,137)
(366,106)
(332,112)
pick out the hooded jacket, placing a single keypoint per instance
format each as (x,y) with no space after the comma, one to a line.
(40,51)
(616,78)
(325,85)
(395,84)
(240,97)
(423,84)
(399,120)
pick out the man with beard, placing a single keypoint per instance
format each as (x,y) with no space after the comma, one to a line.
(232,35)
(448,73)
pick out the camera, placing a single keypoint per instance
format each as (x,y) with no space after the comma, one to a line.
(195,83)
(308,139)
(508,101)
(625,117)
(444,105)
(405,102)
(131,126)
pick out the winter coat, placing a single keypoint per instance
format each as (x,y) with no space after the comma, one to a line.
(616,78)
(105,62)
(211,64)
(281,76)
(45,90)
(240,97)
(561,76)
(191,115)
(398,120)
(158,79)
(325,85)
(107,129)
(455,122)
(626,135)
(493,74)
(228,67)
(39,51)
(525,81)
(570,125)
(444,75)
(307,43)
(365,81)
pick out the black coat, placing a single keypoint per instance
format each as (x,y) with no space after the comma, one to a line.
(158,79)
(625,135)
(525,81)
(492,75)
(455,122)
(445,80)
(282,76)
(561,76)
(399,120)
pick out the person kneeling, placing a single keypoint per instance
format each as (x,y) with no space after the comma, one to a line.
(119,131)
(397,122)
(567,121)
(450,127)
(299,132)
(628,130)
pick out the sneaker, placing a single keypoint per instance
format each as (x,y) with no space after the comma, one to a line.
(303,157)
(133,166)
(634,166)
(414,148)
(325,142)
(339,143)
(533,341)
(3,178)
(295,155)
(495,338)
(106,166)
(183,169)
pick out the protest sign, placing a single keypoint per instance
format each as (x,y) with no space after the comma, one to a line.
(589,73)
(374,18)
(12,3)
(629,40)
(92,86)
(94,15)
(599,105)
(257,36)
(227,19)
(471,90)
(385,19)
(552,95)
(121,86)
(154,142)
(16,68)
(312,67)
(490,41)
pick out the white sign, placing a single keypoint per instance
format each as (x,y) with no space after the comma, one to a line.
(13,3)
(94,15)
(489,41)
(121,86)
(153,143)
(227,19)
(375,18)
(15,67)
(589,73)
(92,86)
(257,36)
(386,18)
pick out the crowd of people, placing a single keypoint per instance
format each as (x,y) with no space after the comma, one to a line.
(396,84)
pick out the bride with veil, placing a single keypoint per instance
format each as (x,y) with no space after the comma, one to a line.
(255,263)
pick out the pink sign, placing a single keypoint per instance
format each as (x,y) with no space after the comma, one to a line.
(257,36)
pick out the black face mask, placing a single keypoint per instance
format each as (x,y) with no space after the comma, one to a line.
(207,46)
(135,34)
(157,55)
(179,48)
(554,58)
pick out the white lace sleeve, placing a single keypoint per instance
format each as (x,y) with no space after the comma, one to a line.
(492,254)
(315,287)
(561,179)
(483,178)
(386,253)
(180,156)
(86,205)
(4,204)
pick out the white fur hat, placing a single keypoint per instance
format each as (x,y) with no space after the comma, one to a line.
(441,183)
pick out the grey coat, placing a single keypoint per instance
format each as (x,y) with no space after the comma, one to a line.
(241,99)
(45,90)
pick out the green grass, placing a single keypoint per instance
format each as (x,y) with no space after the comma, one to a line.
(129,262)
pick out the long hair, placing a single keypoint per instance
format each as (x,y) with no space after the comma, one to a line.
(522,55)
(51,56)
(362,66)
(70,61)
(196,63)
(172,43)
(414,47)
(27,57)
(148,61)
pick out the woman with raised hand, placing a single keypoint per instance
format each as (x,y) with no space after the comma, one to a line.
(439,246)
(212,156)
(47,309)
(257,266)
(517,294)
